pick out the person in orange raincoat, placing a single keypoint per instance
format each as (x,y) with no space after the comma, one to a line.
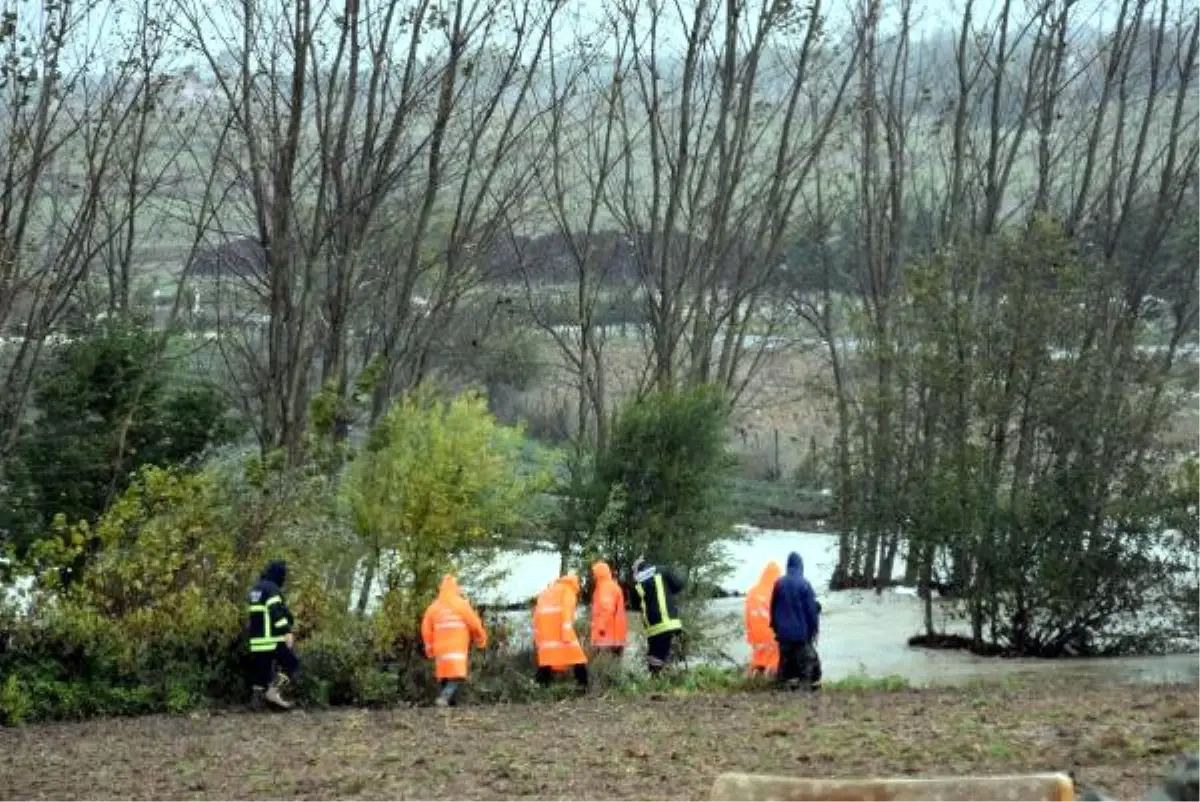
(764,650)
(554,636)
(609,627)
(449,626)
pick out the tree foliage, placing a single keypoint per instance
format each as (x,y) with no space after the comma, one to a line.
(438,482)
(1029,449)
(658,487)
(106,405)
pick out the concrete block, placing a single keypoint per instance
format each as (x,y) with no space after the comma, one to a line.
(759,788)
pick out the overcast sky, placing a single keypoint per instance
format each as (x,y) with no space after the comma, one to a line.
(110,21)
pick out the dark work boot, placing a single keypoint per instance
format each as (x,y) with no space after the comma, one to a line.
(448,695)
(581,680)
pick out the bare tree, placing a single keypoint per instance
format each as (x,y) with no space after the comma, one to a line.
(817,291)
(569,223)
(352,122)
(718,157)
(66,132)
(483,149)
(885,112)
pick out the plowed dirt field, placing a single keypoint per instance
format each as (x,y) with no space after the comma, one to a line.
(1117,737)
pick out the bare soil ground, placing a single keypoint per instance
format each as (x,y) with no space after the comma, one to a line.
(1119,737)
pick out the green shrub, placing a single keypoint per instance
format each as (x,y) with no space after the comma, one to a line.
(861,682)
(153,623)
(657,487)
(438,483)
(15,702)
(341,666)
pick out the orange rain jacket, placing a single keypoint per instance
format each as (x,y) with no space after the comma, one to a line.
(554,625)
(764,650)
(449,626)
(609,627)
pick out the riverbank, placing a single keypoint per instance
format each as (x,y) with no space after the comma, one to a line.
(780,504)
(666,746)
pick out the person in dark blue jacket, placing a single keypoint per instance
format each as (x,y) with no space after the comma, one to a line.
(270,628)
(796,621)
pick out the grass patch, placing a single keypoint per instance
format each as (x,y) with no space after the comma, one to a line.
(777,504)
(610,678)
(860,682)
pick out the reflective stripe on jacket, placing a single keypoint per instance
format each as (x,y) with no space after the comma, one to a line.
(269,621)
(448,628)
(657,602)
(554,625)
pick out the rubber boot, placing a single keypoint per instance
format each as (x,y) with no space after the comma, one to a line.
(256,697)
(446,697)
(274,697)
(581,680)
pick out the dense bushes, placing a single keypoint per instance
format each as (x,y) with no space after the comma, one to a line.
(48,678)
(154,621)
(152,618)
(151,621)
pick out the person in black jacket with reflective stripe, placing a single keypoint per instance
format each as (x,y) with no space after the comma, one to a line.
(270,628)
(656,588)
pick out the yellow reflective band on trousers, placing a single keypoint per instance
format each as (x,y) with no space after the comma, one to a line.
(267,642)
(666,623)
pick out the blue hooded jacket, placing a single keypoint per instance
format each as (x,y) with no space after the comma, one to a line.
(794,615)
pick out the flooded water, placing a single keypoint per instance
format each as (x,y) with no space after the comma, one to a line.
(861,632)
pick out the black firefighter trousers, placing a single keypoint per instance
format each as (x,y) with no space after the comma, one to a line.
(263,665)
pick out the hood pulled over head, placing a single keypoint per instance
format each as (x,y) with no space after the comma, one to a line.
(449,586)
(276,571)
(770,574)
(601,571)
(571,581)
(795,565)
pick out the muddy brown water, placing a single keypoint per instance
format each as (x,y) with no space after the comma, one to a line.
(862,633)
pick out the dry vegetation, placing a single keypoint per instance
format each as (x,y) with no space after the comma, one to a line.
(789,394)
(386,154)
